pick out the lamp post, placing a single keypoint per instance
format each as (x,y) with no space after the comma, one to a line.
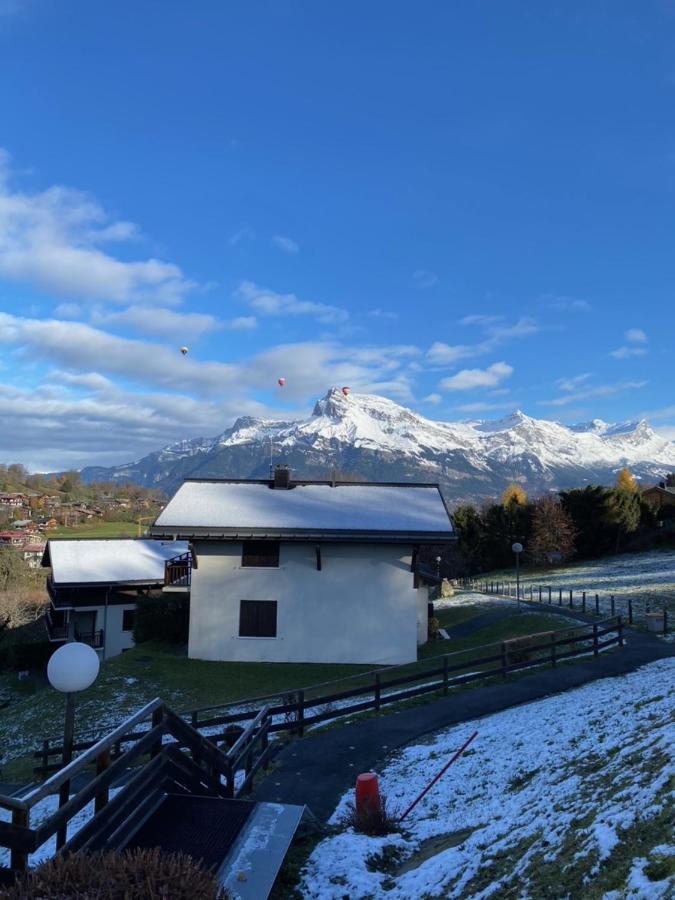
(517,549)
(72,668)
(438,566)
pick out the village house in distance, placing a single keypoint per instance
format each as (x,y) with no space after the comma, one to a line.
(306,571)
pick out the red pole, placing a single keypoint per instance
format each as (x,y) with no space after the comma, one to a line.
(442,772)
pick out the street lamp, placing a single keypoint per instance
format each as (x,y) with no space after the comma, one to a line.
(72,668)
(438,566)
(517,549)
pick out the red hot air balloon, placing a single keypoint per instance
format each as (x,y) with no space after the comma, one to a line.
(346,390)
(281,382)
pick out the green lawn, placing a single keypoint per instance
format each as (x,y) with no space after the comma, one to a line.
(149,670)
(97,529)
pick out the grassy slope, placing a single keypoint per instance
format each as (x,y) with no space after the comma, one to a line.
(97,529)
(128,681)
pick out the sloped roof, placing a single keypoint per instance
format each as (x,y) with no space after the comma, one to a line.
(110,561)
(231,509)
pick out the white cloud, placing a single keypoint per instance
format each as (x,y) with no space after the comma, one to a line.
(69,311)
(432,398)
(442,354)
(470,379)
(242,323)
(379,313)
(243,233)
(423,279)
(636,336)
(288,245)
(270,303)
(573,384)
(567,304)
(53,239)
(480,320)
(601,390)
(628,352)
(161,322)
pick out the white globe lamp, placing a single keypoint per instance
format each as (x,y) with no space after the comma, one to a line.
(73,667)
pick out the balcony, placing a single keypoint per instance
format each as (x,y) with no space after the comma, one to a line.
(95,639)
(57,625)
(178,573)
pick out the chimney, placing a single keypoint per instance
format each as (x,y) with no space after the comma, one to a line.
(282,478)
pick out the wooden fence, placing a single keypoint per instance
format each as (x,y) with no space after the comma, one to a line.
(636,611)
(383,687)
(164,734)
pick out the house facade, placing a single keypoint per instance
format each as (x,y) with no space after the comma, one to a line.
(94,586)
(306,571)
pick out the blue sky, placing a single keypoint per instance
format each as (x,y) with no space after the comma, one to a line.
(468,207)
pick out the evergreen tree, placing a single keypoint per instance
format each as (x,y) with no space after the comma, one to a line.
(553,532)
(470,535)
(622,512)
(626,481)
(587,507)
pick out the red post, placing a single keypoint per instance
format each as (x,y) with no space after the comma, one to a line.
(367,793)
(440,774)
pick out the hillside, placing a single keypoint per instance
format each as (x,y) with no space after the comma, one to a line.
(375,438)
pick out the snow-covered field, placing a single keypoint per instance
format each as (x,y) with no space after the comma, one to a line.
(650,575)
(570,796)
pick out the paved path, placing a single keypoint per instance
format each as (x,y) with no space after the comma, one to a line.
(318,769)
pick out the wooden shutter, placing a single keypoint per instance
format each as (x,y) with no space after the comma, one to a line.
(258,618)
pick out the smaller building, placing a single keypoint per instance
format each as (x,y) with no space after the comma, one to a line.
(94,586)
(659,496)
(32,554)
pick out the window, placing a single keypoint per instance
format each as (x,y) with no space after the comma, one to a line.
(128,619)
(258,618)
(261,554)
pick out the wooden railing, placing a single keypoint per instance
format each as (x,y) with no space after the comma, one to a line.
(382,687)
(636,610)
(178,571)
(164,734)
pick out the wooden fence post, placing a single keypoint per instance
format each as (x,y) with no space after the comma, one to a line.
(540,593)
(229,779)
(630,610)
(19,860)
(301,713)
(571,604)
(194,718)
(597,605)
(504,660)
(583,601)
(595,639)
(377,692)
(619,623)
(611,603)
(531,594)
(559,596)
(549,595)
(102,763)
(45,758)
(264,744)
(157,719)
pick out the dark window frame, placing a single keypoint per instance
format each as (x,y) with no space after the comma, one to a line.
(258,618)
(260,554)
(125,613)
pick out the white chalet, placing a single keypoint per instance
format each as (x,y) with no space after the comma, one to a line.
(306,571)
(94,586)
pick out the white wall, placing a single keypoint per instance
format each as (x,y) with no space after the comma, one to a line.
(422,614)
(361,608)
(116,640)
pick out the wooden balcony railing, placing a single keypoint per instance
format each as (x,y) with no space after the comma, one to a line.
(178,571)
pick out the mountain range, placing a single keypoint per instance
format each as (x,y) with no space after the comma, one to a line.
(375,439)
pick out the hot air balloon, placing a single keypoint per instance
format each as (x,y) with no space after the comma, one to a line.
(346,390)
(281,382)
(183,350)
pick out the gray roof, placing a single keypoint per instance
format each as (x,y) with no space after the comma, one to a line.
(110,562)
(311,510)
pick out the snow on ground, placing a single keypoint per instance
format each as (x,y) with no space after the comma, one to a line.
(546,792)
(649,575)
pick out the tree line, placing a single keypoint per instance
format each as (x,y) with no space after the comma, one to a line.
(581,523)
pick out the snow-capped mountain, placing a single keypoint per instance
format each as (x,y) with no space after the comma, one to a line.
(376,439)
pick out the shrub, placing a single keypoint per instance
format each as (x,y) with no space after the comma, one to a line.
(165,619)
(432,628)
(129,875)
(370,818)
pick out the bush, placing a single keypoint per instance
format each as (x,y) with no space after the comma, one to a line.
(432,627)
(369,818)
(165,619)
(130,875)
(31,655)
